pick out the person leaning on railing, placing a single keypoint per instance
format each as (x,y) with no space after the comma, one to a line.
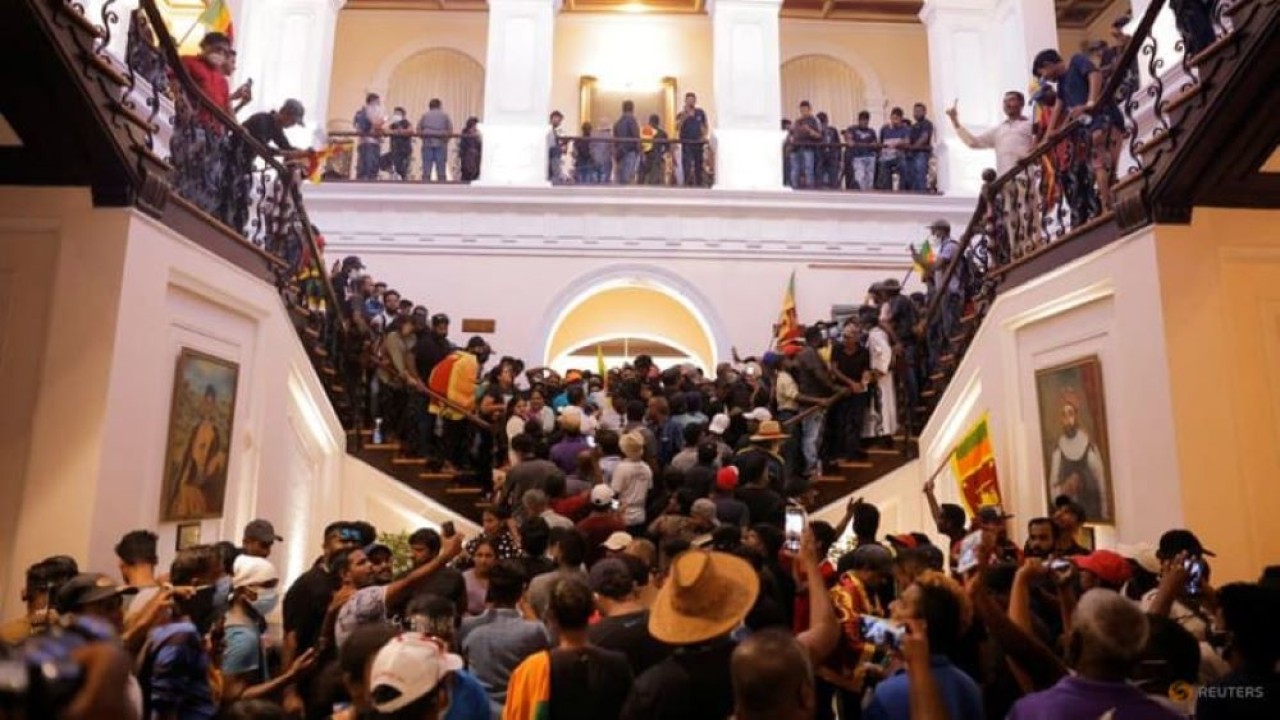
(369,121)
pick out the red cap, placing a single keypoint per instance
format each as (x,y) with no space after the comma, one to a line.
(1110,567)
(727,478)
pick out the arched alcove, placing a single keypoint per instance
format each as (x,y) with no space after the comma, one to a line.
(453,76)
(830,84)
(623,307)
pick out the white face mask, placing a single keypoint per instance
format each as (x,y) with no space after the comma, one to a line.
(266,602)
(399,116)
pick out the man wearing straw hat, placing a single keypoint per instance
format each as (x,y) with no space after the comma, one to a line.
(706,597)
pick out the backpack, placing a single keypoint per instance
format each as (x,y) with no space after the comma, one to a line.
(361,121)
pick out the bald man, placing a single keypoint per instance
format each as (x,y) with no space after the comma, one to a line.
(772,678)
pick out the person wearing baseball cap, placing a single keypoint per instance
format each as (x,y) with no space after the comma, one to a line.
(994,519)
(1069,516)
(1102,568)
(602,523)
(410,678)
(259,536)
(729,509)
(96,595)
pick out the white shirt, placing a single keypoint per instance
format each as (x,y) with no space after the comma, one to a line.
(1011,139)
(631,481)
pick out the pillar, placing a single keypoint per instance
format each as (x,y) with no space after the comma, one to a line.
(517,92)
(748,94)
(978,50)
(286,48)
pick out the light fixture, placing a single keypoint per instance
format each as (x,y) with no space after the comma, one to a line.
(633,8)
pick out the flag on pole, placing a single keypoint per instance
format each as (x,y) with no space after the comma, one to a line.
(316,160)
(217,17)
(787,332)
(974,464)
(600,368)
(925,258)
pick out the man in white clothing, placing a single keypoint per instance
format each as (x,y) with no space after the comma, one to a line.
(1012,140)
(631,480)
(1076,469)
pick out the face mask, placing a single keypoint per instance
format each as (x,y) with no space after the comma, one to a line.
(399,116)
(266,602)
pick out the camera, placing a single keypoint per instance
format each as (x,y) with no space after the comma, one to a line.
(881,632)
(1197,572)
(39,678)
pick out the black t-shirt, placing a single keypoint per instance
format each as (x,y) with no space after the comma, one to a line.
(922,131)
(266,129)
(851,365)
(306,603)
(806,132)
(811,374)
(629,635)
(765,505)
(693,124)
(446,583)
(429,351)
(902,318)
(863,136)
(588,683)
(401,144)
(693,684)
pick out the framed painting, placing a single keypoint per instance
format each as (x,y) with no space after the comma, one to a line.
(198,445)
(188,536)
(1073,435)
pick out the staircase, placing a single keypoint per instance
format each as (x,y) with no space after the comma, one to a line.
(1187,126)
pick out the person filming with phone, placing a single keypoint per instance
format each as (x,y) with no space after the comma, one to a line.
(1185,596)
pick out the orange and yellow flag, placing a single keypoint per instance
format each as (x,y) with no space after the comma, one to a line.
(788,328)
(973,462)
(217,17)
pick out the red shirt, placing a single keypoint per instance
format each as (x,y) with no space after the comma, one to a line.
(800,618)
(597,528)
(211,82)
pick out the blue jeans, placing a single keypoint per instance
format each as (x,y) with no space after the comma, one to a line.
(628,164)
(802,168)
(811,436)
(864,172)
(584,174)
(434,157)
(368,156)
(916,175)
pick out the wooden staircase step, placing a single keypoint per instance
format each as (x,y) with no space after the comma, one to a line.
(311,332)
(855,464)
(437,476)
(883,451)
(463,490)
(827,479)
(389,447)
(408,461)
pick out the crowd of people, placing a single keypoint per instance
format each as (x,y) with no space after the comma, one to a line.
(577,608)
(819,155)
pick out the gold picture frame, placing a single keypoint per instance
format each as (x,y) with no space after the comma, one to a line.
(198,444)
(1075,444)
(597,103)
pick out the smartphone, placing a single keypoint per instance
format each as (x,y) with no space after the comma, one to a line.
(1197,570)
(447,529)
(881,632)
(793,528)
(968,559)
(1062,566)
(614,504)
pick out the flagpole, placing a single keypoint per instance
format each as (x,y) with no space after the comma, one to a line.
(187,34)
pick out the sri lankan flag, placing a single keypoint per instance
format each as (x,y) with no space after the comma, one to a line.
(925,257)
(454,378)
(217,17)
(787,331)
(973,462)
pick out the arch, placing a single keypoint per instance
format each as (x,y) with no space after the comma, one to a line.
(448,74)
(829,83)
(873,89)
(680,305)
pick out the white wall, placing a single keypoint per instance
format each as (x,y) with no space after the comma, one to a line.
(514,255)
(125,295)
(1108,304)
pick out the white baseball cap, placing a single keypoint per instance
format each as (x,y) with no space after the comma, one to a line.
(407,669)
(760,414)
(617,541)
(249,570)
(601,496)
(719,424)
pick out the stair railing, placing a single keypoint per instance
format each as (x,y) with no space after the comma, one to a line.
(1068,185)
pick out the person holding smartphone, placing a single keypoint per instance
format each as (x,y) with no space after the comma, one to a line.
(1184,594)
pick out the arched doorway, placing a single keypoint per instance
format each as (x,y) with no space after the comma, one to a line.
(627,312)
(830,84)
(454,77)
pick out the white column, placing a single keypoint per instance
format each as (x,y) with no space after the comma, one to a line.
(286,47)
(978,50)
(748,94)
(517,92)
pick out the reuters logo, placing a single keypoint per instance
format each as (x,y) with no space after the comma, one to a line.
(1182,691)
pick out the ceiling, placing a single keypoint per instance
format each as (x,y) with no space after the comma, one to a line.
(1071,13)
